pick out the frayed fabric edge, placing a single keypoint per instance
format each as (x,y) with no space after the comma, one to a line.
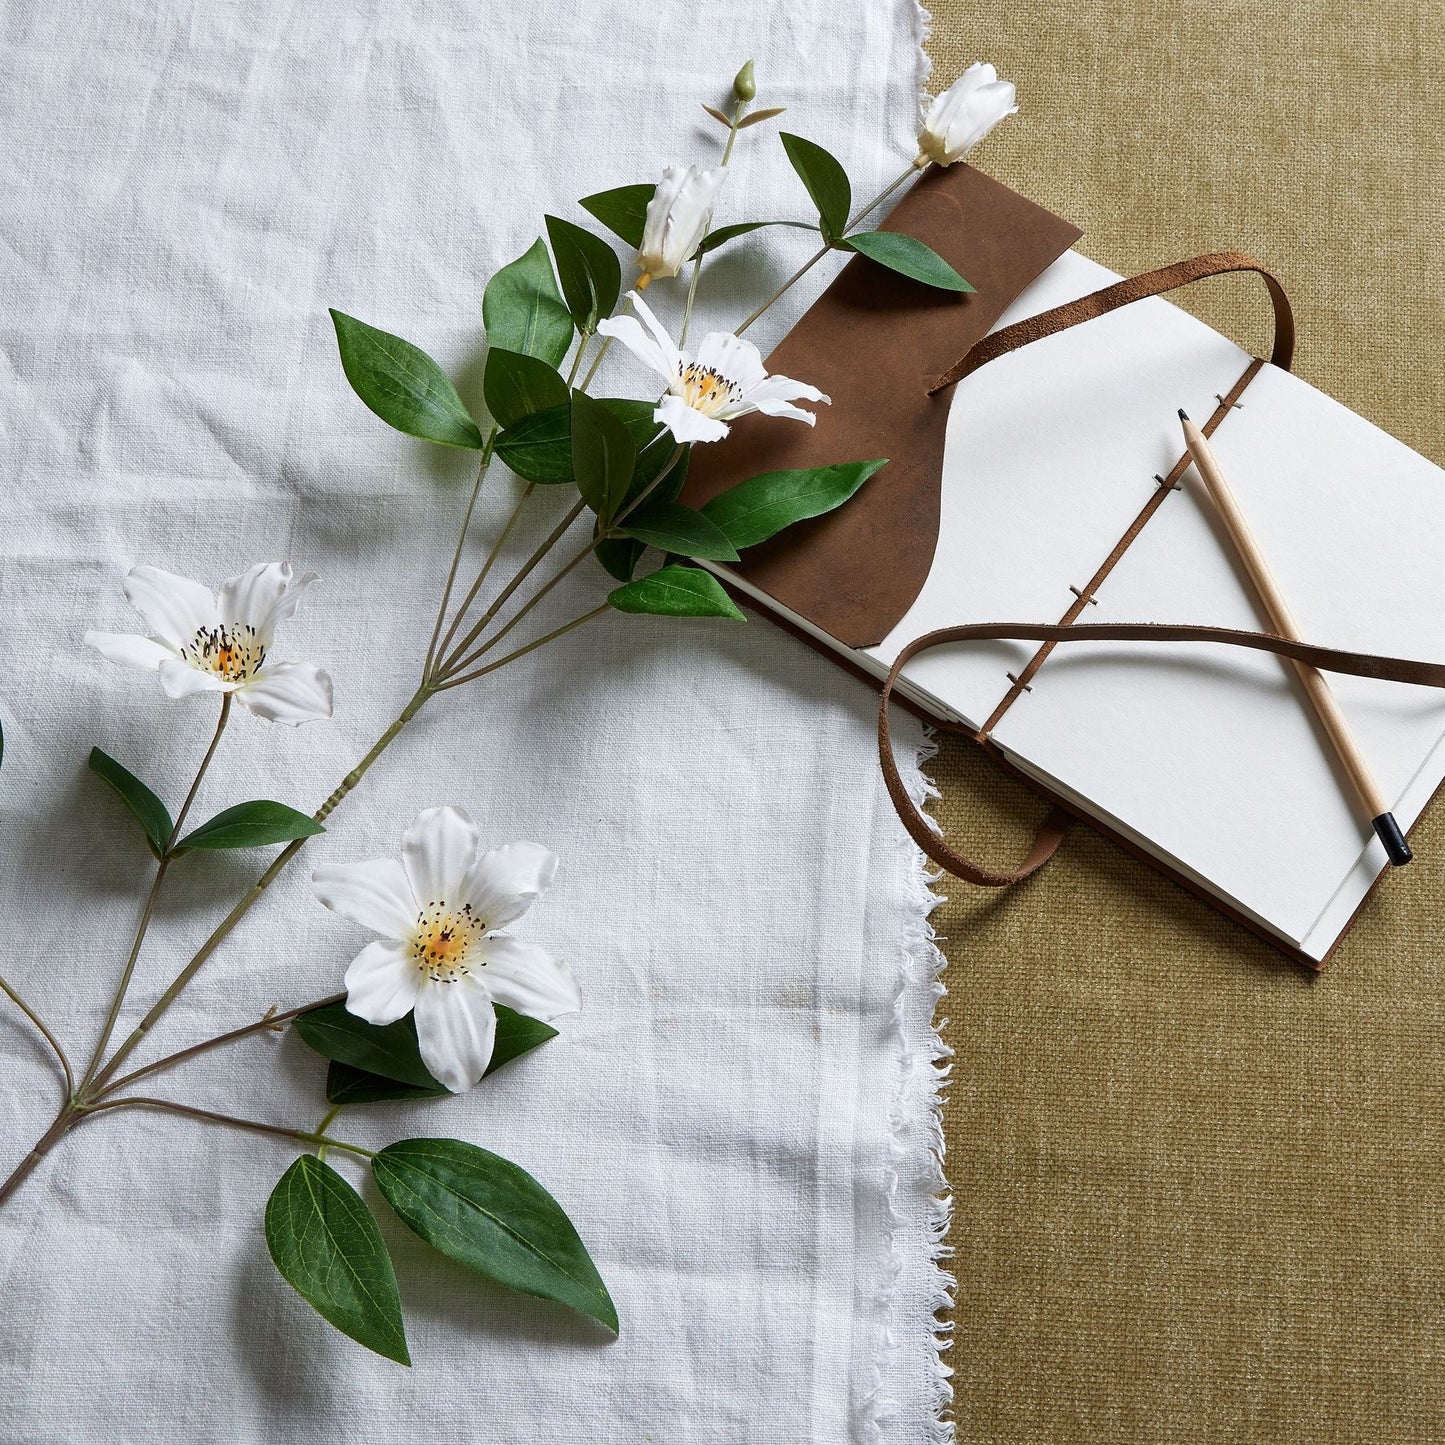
(916,1290)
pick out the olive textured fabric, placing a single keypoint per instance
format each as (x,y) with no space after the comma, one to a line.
(1197,1189)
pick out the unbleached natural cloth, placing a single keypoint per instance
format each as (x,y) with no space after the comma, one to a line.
(740,1121)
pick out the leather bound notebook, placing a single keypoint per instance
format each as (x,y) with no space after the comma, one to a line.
(1038,495)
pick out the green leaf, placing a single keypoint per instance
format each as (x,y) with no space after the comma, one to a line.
(251,825)
(524,311)
(758,116)
(346,1085)
(390,1051)
(724,234)
(671,527)
(623,211)
(517,385)
(619,556)
(909,257)
(403,385)
(756,509)
(827,183)
(147,809)
(491,1216)
(603,455)
(676,592)
(539,447)
(589,270)
(329,1250)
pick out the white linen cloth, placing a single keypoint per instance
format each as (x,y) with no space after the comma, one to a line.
(739,1121)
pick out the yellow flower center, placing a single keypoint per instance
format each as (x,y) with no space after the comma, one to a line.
(442,943)
(234,653)
(708,391)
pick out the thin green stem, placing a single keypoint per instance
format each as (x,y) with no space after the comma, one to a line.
(511,657)
(481,624)
(148,911)
(486,567)
(322,1127)
(738,111)
(141,1101)
(250,898)
(44,1033)
(582,340)
(64,1121)
(596,362)
(813,260)
(457,554)
(269,1021)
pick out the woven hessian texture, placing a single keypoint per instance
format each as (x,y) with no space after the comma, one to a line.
(1197,1189)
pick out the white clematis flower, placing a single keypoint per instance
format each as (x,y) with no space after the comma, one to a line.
(438,909)
(965,113)
(726,380)
(202,642)
(678,216)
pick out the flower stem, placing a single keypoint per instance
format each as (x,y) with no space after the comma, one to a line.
(271,1020)
(250,898)
(582,341)
(148,911)
(823,251)
(738,111)
(64,1121)
(485,571)
(523,651)
(596,362)
(307,1136)
(45,1034)
(457,555)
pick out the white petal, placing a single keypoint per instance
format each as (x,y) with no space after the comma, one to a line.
(686,424)
(528,978)
(504,883)
(288,692)
(677,218)
(784,388)
(180,679)
(130,649)
(439,850)
(264,597)
(456,1027)
(374,893)
(629,332)
(732,357)
(382,982)
(175,608)
(784,408)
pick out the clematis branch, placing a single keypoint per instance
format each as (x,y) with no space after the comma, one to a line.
(457,555)
(502,662)
(269,1020)
(44,1033)
(148,910)
(256,1126)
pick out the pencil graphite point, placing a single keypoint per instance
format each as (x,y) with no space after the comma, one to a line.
(1183,415)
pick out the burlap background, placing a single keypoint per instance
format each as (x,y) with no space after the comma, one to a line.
(1198,1191)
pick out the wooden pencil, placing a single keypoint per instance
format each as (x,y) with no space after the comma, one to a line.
(1277,611)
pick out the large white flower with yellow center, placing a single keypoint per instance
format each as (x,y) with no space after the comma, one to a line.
(727,378)
(202,641)
(439,908)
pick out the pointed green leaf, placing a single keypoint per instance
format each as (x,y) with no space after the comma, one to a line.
(756,509)
(724,234)
(758,116)
(671,527)
(329,1250)
(251,825)
(403,385)
(524,311)
(827,183)
(145,807)
(619,556)
(491,1216)
(623,211)
(390,1051)
(346,1085)
(539,447)
(909,257)
(590,273)
(517,385)
(676,592)
(603,455)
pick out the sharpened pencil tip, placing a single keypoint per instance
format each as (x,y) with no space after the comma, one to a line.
(1183,415)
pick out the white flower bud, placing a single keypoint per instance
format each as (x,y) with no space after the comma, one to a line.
(965,113)
(677,219)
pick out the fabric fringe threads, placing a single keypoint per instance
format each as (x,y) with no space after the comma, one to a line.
(923,1073)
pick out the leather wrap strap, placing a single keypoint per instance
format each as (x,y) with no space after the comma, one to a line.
(1135,288)
(1051,832)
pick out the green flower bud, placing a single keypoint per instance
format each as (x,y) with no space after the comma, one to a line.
(745,85)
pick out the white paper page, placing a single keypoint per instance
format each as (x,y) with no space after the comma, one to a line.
(1051,451)
(1213,753)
